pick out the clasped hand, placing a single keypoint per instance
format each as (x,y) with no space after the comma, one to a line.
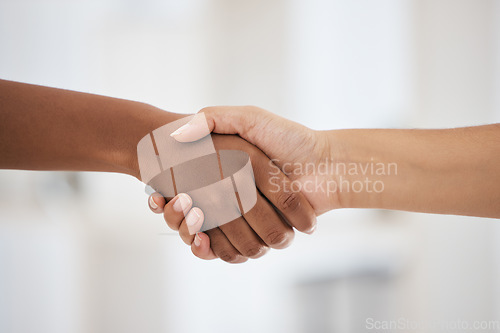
(281,207)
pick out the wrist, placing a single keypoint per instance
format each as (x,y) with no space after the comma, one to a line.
(137,121)
(357,168)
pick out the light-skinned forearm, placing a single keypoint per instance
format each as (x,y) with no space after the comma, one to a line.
(451,171)
(44,128)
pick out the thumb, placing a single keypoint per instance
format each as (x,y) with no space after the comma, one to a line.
(218,119)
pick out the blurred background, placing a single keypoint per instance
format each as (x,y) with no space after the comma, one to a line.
(81,252)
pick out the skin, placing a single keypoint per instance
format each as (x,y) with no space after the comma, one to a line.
(446,171)
(452,171)
(45,128)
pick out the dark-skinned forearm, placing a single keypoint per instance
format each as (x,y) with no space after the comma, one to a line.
(44,128)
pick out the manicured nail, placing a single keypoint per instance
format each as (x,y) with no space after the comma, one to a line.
(152,203)
(197,240)
(179,130)
(182,203)
(192,217)
(195,129)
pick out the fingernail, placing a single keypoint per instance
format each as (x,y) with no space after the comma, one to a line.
(182,203)
(197,240)
(195,129)
(192,217)
(152,203)
(179,130)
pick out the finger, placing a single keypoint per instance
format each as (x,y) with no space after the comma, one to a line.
(249,123)
(281,192)
(175,210)
(268,225)
(191,224)
(156,202)
(201,247)
(223,248)
(213,244)
(244,239)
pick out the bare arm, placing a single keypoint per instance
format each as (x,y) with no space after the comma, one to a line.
(448,171)
(44,128)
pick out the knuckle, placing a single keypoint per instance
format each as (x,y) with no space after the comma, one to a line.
(228,256)
(279,238)
(288,201)
(252,249)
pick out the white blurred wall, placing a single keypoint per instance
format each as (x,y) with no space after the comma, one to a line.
(83,253)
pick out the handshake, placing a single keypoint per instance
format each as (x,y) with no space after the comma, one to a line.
(279,152)
(301,173)
(298,173)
